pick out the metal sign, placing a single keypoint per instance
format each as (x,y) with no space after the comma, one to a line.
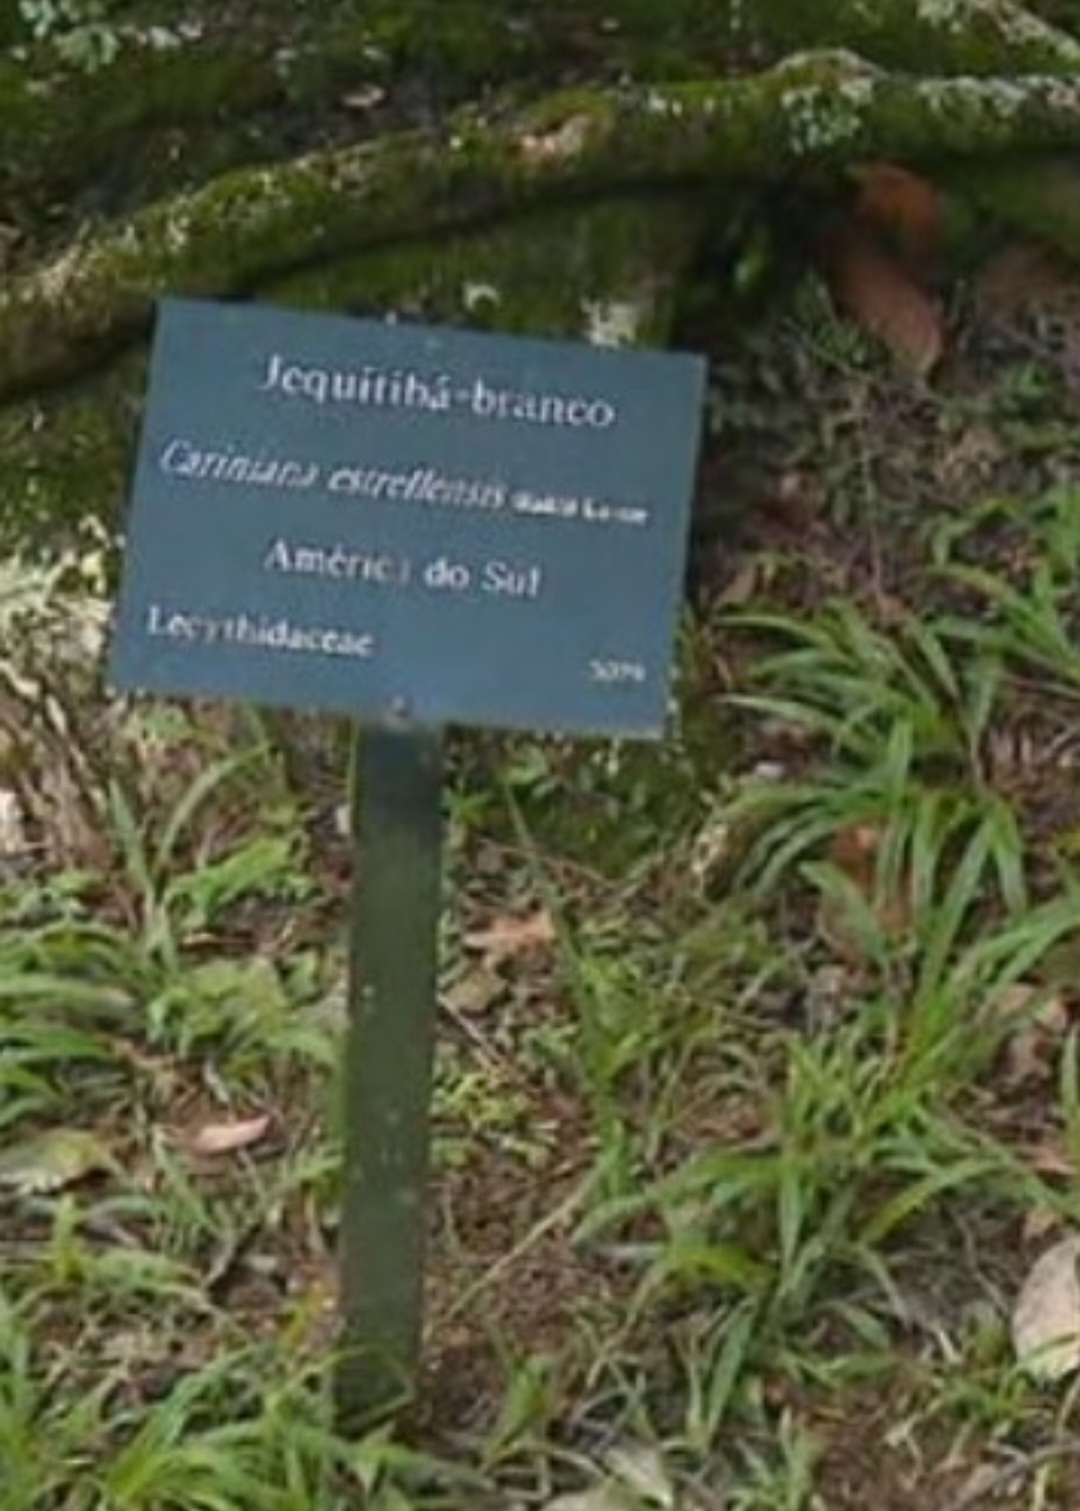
(415,527)
(406,523)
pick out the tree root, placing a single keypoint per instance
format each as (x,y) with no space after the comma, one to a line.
(158,117)
(250,227)
(577,215)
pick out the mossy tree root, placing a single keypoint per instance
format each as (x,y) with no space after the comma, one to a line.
(947,37)
(153,116)
(251,226)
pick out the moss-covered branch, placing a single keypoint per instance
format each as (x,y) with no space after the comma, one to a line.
(94,137)
(159,118)
(943,37)
(252,226)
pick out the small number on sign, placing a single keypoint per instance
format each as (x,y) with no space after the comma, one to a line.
(616,671)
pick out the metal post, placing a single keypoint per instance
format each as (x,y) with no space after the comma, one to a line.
(393,960)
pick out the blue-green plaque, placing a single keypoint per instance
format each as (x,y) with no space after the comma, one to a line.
(408,524)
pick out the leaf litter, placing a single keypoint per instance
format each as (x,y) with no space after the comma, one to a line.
(513,935)
(1046,1318)
(227,1138)
(54,1160)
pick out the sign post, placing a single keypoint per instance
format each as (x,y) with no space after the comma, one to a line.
(418,527)
(396,822)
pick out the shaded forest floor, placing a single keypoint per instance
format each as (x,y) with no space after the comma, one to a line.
(757,1090)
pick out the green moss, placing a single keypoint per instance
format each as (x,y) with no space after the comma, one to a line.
(931,37)
(67,461)
(249,227)
(155,120)
(566,272)
(130,131)
(431,54)
(518,46)
(1041,199)
(446,45)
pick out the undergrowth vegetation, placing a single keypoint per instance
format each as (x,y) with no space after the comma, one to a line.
(758,1087)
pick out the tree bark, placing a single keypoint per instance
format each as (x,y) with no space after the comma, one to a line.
(158,118)
(237,233)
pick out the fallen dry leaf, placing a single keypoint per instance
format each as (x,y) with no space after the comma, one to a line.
(974,454)
(1050,1159)
(608,1497)
(874,289)
(13,837)
(474,992)
(641,1468)
(1020,279)
(909,209)
(745,585)
(513,935)
(1039,1223)
(1035,1023)
(227,1138)
(854,851)
(1046,1319)
(54,1160)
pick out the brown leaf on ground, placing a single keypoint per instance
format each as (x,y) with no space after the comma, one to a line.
(513,934)
(1035,1024)
(1039,1223)
(474,992)
(1050,1159)
(227,1138)
(744,586)
(854,851)
(908,208)
(1021,279)
(972,456)
(875,290)
(1046,1319)
(54,1160)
